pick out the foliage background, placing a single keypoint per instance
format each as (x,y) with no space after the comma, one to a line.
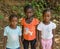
(16,6)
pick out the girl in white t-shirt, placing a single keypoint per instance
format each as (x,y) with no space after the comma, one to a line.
(47,30)
(12,34)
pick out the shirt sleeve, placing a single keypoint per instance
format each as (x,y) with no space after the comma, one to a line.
(39,27)
(53,26)
(20,31)
(5,31)
(36,21)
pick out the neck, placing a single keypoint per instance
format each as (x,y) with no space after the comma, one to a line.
(13,27)
(30,17)
(46,22)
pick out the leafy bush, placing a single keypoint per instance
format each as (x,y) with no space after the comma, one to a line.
(1,16)
(38,6)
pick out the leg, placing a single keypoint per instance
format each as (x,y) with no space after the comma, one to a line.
(33,42)
(25,44)
(43,43)
(49,44)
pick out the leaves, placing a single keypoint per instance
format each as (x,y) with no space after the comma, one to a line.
(1,16)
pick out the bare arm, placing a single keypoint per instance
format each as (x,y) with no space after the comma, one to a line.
(37,35)
(20,42)
(22,34)
(53,38)
(5,41)
(40,39)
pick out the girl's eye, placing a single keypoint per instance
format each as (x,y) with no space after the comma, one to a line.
(48,16)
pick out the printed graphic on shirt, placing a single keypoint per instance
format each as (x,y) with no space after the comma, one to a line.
(27,31)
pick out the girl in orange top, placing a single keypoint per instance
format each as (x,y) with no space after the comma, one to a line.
(29,26)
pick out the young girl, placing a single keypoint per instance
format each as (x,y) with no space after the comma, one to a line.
(12,34)
(47,29)
(29,25)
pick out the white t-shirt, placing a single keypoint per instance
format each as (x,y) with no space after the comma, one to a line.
(12,37)
(46,30)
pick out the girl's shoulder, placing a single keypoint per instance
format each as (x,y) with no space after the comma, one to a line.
(18,27)
(41,23)
(52,23)
(35,18)
(6,26)
(23,18)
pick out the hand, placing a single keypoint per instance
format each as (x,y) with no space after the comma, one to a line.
(36,44)
(4,47)
(52,46)
(21,47)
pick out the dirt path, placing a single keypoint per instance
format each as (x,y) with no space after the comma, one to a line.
(57,41)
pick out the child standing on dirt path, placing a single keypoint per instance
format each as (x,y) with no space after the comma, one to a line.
(12,34)
(29,25)
(47,30)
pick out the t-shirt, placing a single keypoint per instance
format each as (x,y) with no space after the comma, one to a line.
(29,32)
(12,37)
(46,30)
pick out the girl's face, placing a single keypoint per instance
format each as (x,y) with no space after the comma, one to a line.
(29,13)
(14,21)
(47,16)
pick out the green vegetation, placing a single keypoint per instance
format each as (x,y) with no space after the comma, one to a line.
(1,16)
(9,6)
